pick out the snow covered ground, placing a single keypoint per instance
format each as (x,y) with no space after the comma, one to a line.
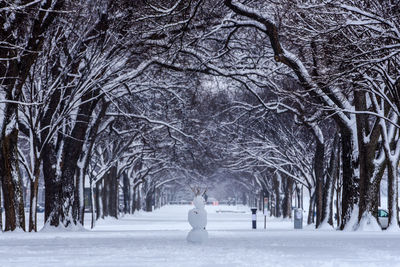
(159,239)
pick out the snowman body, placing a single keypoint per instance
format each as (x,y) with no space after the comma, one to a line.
(197,218)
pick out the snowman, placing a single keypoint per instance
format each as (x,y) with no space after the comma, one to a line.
(197,218)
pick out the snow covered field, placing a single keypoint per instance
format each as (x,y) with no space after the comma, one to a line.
(159,239)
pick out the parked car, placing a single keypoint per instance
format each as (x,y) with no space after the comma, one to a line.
(40,208)
(383,218)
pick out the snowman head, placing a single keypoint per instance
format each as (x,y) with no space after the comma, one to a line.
(198,202)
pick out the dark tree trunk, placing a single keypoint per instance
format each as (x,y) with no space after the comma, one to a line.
(78,208)
(33,197)
(319,176)
(92,205)
(149,201)
(287,199)
(338,194)
(110,193)
(366,156)
(79,203)
(311,208)
(138,199)
(72,151)
(244,198)
(149,207)
(126,193)
(327,212)
(298,196)
(277,197)
(105,192)
(64,183)
(393,204)
(98,200)
(11,183)
(113,193)
(270,204)
(1,210)
(52,185)
(50,164)
(134,202)
(350,183)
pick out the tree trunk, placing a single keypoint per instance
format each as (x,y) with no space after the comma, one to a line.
(79,198)
(33,199)
(1,209)
(366,156)
(78,209)
(52,185)
(110,193)
(105,192)
(134,202)
(338,198)
(149,201)
(310,218)
(138,199)
(99,200)
(10,173)
(92,205)
(113,193)
(319,177)
(350,183)
(277,197)
(327,214)
(393,195)
(126,193)
(71,152)
(298,196)
(287,199)
(270,208)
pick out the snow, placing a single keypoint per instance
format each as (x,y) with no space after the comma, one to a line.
(352,224)
(159,239)
(326,226)
(11,125)
(369,223)
(47,228)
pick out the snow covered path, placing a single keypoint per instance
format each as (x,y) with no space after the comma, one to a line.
(159,239)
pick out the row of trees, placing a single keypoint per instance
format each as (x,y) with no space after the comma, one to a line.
(348,72)
(128,93)
(332,63)
(77,106)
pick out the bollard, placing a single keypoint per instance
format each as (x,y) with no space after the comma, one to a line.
(254,217)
